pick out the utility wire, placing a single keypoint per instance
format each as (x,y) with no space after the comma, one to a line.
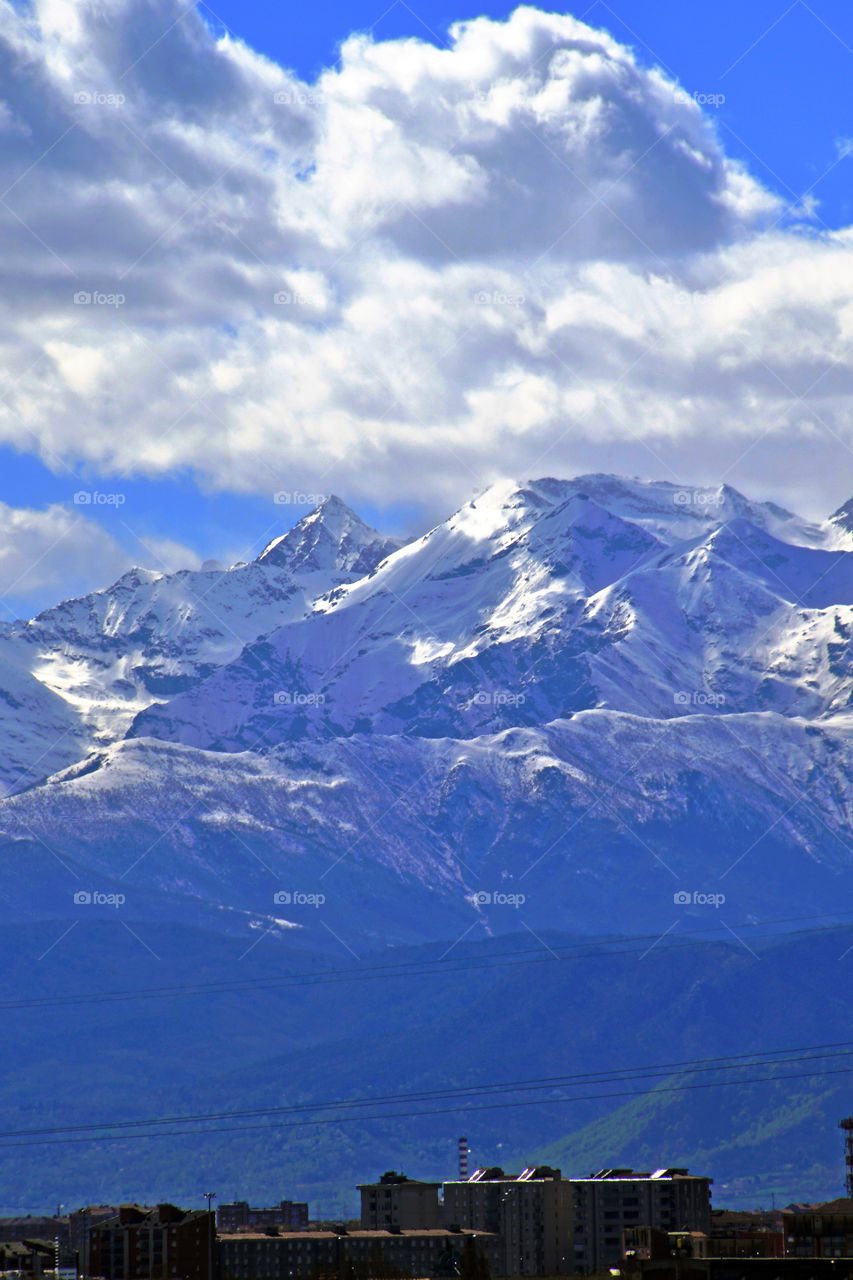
(425,968)
(36,1137)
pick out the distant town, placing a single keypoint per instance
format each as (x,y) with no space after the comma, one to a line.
(485,1225)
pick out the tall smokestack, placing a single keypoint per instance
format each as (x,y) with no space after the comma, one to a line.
(463,1159)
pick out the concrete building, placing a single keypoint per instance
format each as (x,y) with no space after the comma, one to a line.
(29,1257)
(616,1200)
(165,1243)
(292,1215)
(649,1244)
(531,1212)
(34,1228)
(819,1230)
(398,1201)
(80,1225)
(309,1255)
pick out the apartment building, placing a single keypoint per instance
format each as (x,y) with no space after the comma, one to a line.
(617,1200)
(165,1243)
(80,1225)
(398,1201)
(819,1230)
(531,1212)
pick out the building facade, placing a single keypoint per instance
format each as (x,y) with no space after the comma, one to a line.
(330,1255)
(819,1230)
(30,1257)
(617,1200)
(398,1201)
(531,1213)
(80,1225)
(643,1244)
(35,1228)
(290,1214)
(165,1243)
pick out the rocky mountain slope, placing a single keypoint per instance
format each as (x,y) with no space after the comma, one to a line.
(562,706)
(75,676)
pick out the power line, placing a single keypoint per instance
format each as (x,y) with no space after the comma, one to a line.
(693,1066)
(428,968)
(54,1136)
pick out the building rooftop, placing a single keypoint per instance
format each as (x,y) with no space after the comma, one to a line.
(356,1234)
(134,1215)
(394,1179)
(844,1204)
(533,1173)
(629,1175)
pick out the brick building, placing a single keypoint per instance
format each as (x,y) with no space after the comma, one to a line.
(165,1243)
(80,1224)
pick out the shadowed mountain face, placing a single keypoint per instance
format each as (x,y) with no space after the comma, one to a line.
(579,707)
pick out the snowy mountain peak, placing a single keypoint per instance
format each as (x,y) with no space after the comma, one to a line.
(331,537)
(841,521)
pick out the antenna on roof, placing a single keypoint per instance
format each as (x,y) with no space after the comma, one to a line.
(463,1159)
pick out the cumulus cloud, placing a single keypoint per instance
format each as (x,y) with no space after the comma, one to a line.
(523,252)
(59,551)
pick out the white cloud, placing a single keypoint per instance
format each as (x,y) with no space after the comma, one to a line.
(47,551)
(520,253)
(60,551)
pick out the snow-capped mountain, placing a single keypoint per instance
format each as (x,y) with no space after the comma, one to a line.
(536,602)
(591,825)
(586,692)
(577,725)
(74,677)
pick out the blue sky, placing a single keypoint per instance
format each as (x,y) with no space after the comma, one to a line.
(773,77)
